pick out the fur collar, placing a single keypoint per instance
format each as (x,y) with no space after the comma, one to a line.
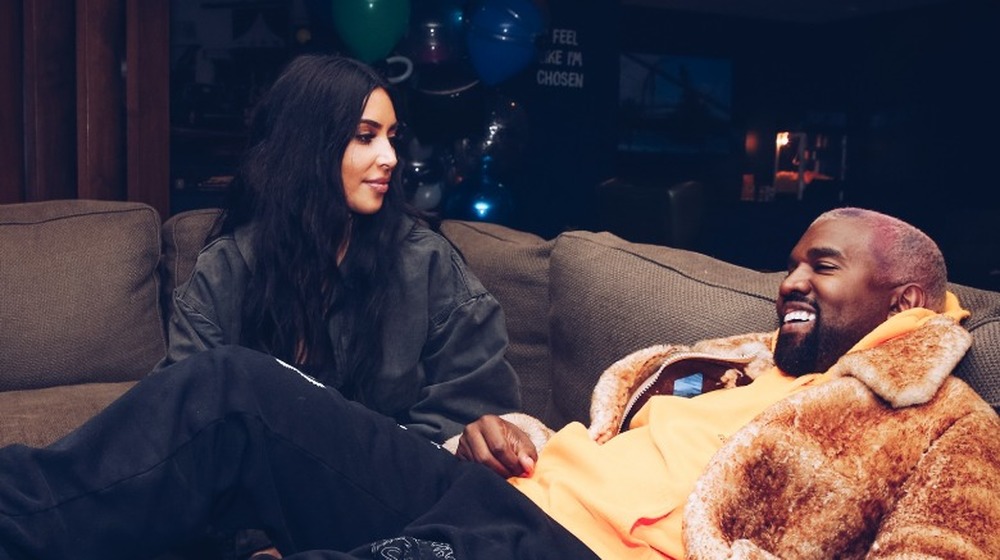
(909,369)
(904,371)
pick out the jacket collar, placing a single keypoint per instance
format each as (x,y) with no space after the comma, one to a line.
(908,369)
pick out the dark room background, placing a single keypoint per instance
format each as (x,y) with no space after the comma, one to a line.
(911,90)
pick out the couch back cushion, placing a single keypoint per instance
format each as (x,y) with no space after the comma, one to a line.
(980,367)
(79,292)
(514,267)
(610,297)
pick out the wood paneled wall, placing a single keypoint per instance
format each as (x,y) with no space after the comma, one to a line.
(100,99)
(84,103)
(11,104)
(148,102)
(49,85)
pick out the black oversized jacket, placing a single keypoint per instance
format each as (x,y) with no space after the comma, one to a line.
(444,338)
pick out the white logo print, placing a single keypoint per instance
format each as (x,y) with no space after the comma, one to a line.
(304,376)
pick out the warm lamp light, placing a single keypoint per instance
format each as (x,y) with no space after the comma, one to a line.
(750,142)
(813,158)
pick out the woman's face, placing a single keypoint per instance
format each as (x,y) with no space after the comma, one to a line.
(370,157)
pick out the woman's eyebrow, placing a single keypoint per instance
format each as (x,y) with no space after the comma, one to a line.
(377,125)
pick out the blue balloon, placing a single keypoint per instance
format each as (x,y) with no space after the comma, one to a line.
(502,38)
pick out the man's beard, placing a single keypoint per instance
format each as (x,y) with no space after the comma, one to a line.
(815,352)
(797,359)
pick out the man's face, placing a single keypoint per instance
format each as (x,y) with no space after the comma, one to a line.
(830,298)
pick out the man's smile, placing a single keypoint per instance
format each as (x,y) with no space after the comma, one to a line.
(797,316)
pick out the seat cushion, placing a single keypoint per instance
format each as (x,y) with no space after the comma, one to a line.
(39,417)
(79,293)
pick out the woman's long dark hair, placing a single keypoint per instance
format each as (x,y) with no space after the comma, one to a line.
(290,192)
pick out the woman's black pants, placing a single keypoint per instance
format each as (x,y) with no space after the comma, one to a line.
(232,439)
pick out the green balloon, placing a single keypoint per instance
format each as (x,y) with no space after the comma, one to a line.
(371,28)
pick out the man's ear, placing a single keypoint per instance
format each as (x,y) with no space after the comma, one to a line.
(906,297)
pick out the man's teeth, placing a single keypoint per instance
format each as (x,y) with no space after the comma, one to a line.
(799,316)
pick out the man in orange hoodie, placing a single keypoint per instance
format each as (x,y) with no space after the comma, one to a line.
(843,434)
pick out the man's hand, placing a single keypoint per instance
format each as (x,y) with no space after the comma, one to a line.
(499,445)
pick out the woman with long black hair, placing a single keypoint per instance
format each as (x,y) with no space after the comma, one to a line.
(318,261)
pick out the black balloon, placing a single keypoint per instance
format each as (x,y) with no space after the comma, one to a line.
(436,32)
(437,46)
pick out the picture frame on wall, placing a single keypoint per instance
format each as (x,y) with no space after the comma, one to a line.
(674,104)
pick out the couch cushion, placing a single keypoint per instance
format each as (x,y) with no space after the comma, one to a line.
(610,297)
(79,291)
(980,367)
(513,266)
(38,417)
(184,236)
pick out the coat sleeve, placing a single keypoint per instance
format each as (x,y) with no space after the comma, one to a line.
(466,372)
(205,310)
(189,331)
(458,358)
(949,506)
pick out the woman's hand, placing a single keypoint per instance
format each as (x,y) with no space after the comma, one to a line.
(498,444)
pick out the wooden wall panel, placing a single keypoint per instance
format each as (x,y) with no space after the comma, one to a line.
(49,99)
(148,103)
(11,103)
(100,99)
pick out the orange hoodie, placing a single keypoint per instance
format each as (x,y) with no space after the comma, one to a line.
(625,498)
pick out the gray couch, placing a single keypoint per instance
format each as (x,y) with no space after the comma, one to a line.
(84,286)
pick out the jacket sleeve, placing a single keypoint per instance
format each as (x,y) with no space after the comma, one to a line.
(189,331)
(949,506)
(466,372)
(458,360)
(205,310)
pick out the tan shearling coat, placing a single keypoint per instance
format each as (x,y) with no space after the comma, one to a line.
(893,458)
